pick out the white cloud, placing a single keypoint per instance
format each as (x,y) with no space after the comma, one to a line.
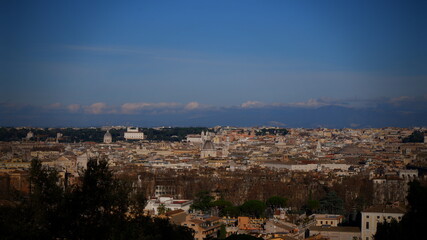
(277,123)
(399,100)
(133,107)
(192,106)
(252,104)
(96,108)
(73,107)
(129,108)
(310,103)
(53,106)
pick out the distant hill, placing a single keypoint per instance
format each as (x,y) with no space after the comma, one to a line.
(327,116)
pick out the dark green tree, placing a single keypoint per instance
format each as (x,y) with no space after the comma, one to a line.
(222,232)
(221,205)
(415,137)
(389,230)
(203,201)
(253,208)
(312,206)
(332,203)
(231,211)
(102,201)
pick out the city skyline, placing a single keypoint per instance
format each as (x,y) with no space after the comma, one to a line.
(295,64)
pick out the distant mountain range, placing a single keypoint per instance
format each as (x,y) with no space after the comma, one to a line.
(282,116)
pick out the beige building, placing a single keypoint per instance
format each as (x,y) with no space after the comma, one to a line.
(380,213)
(194,138)
(203,227)
(167,203)
(177,216)
(336,233)
(328,220)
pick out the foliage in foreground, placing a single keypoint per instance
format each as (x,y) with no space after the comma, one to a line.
(101,207)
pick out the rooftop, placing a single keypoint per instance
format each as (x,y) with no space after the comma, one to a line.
(385,209)
(335,229)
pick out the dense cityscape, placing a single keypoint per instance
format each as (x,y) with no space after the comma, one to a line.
(266,182)
(213,120)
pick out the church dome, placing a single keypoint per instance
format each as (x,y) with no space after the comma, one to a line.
(107,137)
(208,145)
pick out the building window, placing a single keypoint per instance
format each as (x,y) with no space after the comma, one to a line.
(321,222)
(367,216)
(367,225)
(378,217)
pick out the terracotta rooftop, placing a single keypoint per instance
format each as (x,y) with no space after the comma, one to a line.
(197,221)
(170,213)
(335,229)
(213,218)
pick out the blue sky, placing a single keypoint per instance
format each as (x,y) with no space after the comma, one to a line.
(124,56)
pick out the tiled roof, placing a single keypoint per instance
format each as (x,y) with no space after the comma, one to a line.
(170,213)
(335,229)
(385,209)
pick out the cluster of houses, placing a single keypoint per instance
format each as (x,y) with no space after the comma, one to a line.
(379,154)
(281,226)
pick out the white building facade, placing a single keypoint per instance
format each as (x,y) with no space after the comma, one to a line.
(133,133)
(372,216)
(168,203)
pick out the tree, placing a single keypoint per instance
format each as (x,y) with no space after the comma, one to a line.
(36,215)
(311,206)
(138,201)
(332,203)
(389,230)
(253,208)
(231,211)
(102,201)
(221,205)
(222,232)
(203,201)
(96,209)
(161,209)
(415,137)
